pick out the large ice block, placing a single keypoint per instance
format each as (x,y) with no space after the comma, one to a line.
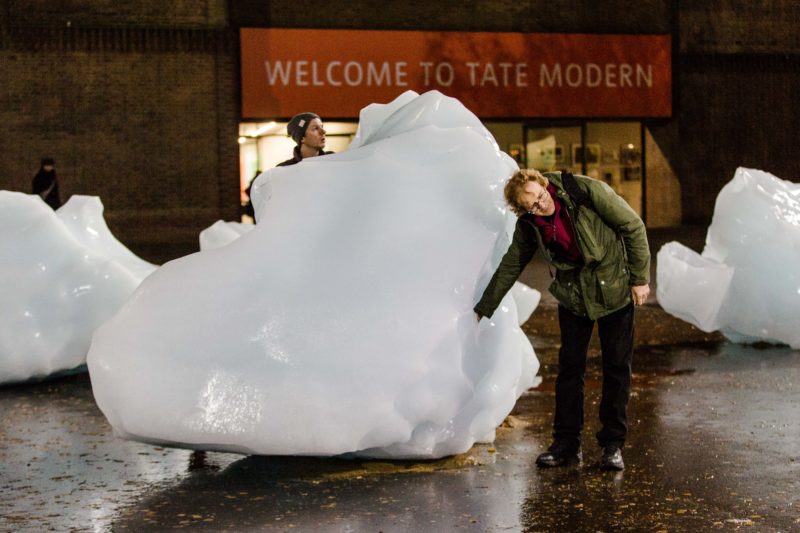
(62,274)
(343,322)
(222,233)
(748,276)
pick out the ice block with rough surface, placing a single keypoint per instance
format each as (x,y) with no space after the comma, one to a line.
(62,274)
(343,322)
(748,279)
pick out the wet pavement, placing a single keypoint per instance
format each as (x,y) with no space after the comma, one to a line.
(714,445)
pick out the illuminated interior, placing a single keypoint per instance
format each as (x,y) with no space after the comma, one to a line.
(262,145)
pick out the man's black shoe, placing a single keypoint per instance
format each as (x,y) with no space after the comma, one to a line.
(612,459)
(559,456)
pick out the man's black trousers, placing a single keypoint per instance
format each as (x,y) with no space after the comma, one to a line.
(616,344)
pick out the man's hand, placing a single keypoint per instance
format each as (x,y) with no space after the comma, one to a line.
(477,317)
(639,294)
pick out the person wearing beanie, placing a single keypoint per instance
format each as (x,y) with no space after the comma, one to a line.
(307,131)
(45,183)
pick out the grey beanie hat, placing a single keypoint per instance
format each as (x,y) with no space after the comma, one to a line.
(299,124)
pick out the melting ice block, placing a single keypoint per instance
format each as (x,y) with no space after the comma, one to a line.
(63,274)
(221,233)
(526,300)
(343,322)
(747,281)
(691,286)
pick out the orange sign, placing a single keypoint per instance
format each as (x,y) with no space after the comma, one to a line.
(337,72)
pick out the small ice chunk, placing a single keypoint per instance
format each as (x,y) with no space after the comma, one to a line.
(221,233)
(63,274)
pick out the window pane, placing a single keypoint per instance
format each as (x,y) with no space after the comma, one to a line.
(615,156)
(551,148)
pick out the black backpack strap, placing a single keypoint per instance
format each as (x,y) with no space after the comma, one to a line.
(575,191)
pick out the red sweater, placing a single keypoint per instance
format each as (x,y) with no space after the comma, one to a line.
(557,231)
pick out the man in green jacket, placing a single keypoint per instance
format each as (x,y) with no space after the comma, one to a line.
(598,248)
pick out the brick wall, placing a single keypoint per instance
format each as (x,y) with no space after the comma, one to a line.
(663,188)
(144,118)
(739,77)
(139,101)
(737,27)
(611,16)
(734,111)
(131,14)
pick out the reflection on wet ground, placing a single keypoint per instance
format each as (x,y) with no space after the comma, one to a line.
(714,445)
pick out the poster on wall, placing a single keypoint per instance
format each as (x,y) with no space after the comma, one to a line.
(337,72)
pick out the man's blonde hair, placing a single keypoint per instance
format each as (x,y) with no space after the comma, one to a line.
(515,185)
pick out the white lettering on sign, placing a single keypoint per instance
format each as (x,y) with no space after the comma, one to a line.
(315,79)
(336,73)
(353,74)
(304,73)
(647,75)
(522,75)
(488,75)
(444,73)
(511,74)
(400,74)
(574,75)
(378,77)
(426,73)
(593,75)
(336,82)
(278,70)
(625,71)
(301,69)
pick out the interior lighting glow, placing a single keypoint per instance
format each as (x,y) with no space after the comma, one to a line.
(263,129)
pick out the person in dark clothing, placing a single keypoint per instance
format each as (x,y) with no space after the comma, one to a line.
(307,131)
(45,183)
(597,246)
(249,210)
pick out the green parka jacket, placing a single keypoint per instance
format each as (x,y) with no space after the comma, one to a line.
(612,240)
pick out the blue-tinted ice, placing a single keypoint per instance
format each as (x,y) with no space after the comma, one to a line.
(62,274)
(747,281)
(343,321)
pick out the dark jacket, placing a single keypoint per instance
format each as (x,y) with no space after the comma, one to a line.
(47,183)
(298,157)
(613,244)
